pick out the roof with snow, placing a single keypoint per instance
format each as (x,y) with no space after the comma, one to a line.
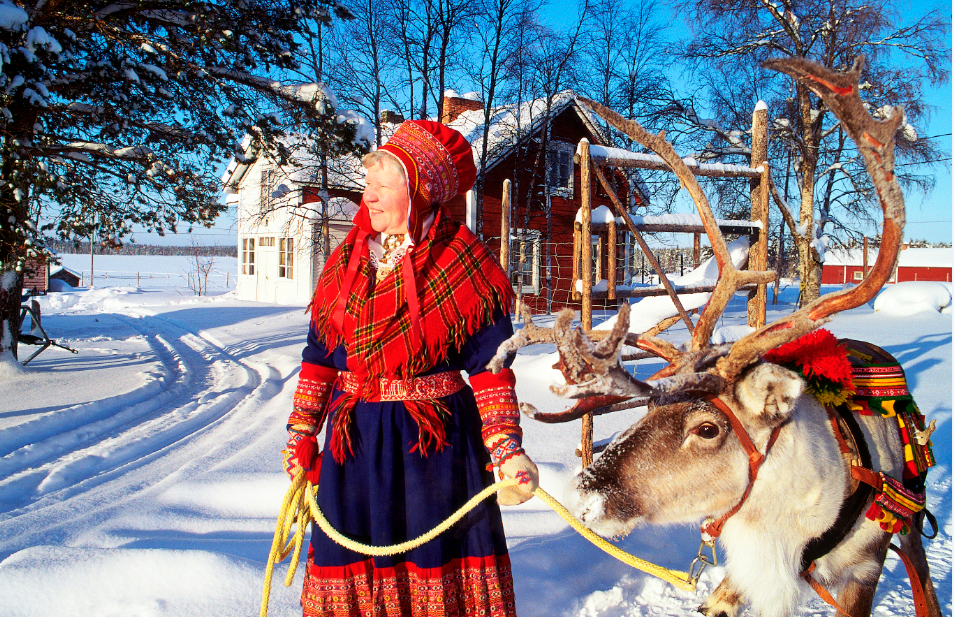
(509,124)
(303,169)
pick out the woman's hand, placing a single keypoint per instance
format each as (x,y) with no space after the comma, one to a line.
(302,452)
(522,469)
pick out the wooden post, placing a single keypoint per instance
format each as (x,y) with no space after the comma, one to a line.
(577,248)
(611,259)
(586,247)
(864,259)
(758,192)
(505,228)
(586,438)
(696,251)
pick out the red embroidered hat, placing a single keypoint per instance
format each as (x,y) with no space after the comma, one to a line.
(439,164)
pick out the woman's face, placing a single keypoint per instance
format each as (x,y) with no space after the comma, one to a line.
(385,194)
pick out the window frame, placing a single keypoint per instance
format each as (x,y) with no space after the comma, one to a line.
(286,257)
(533,238)
(561,148)
(248,256)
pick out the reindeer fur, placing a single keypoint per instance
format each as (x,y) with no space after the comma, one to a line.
(666,469)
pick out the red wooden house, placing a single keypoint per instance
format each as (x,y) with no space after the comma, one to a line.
(533,146)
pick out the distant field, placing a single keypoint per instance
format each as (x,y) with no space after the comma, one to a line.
(149,271)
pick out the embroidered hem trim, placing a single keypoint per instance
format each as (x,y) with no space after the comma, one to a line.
(461,588)
(423,388)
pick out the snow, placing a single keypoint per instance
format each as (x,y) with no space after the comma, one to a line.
(689,220)
(602,153)
(142,475)
(909,298)
(12,17)
(649,311)
(599,215)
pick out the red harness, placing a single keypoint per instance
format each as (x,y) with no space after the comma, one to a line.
(714,528)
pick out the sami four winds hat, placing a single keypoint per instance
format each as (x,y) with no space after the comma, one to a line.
(438,163)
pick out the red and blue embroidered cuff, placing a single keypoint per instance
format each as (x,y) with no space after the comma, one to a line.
(497,404)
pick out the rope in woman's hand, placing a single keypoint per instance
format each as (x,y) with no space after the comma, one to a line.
(300,508)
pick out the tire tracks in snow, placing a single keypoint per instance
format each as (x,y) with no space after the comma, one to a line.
(84,470)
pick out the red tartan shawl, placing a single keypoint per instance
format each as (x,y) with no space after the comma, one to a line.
(459,285)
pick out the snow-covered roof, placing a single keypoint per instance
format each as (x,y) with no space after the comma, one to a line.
(508,125)
(511,123)
(909,258)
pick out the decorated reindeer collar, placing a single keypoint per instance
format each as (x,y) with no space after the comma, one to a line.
(822,361)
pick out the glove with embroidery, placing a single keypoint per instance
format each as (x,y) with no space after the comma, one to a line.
(308,414)
(514,463)
(497,404)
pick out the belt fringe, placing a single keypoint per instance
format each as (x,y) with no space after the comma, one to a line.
(421,397)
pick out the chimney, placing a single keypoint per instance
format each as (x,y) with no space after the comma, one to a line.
(454,105)
(389,116)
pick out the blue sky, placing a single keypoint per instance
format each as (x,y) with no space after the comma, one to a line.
(927,217)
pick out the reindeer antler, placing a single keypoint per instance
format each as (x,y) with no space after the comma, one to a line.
(730,279)
(712,369)
(875,140)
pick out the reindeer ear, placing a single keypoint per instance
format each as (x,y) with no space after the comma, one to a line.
(769,392)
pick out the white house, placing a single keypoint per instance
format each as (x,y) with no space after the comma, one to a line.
(280,232)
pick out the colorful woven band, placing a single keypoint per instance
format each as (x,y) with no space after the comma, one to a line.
(879,380)
(497,404)
(423,388)
(503,449)
(894,505)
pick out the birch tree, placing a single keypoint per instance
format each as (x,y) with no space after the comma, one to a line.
(830,195)
(115,113)
(500,33)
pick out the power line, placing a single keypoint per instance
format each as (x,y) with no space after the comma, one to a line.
(923,162)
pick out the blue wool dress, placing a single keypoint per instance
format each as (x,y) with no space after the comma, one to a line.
(387,492)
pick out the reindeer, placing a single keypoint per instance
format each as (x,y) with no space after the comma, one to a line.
(736,441)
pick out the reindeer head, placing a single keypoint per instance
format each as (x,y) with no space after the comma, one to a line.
(711,408)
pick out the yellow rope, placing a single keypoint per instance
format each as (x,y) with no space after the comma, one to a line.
(675,577)
(300,508)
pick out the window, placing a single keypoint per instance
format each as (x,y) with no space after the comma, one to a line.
(560,176)
(286,258)
(266,241)
(525,260)
(858,275)
(269,182)
(596,258)
(248,255)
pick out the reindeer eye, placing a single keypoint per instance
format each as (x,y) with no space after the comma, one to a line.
(706,430)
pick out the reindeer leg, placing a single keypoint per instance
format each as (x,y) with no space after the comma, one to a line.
(857,595)
(911,545)
(724,601)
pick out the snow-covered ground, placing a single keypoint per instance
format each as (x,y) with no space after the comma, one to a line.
(169,272)
(142,476)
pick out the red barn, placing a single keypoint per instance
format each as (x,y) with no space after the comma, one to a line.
(914,264)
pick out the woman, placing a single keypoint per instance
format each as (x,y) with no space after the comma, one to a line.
(408,301)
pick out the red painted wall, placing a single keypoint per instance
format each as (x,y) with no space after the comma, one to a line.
(838,275)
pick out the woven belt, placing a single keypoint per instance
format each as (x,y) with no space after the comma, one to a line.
(424,388)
